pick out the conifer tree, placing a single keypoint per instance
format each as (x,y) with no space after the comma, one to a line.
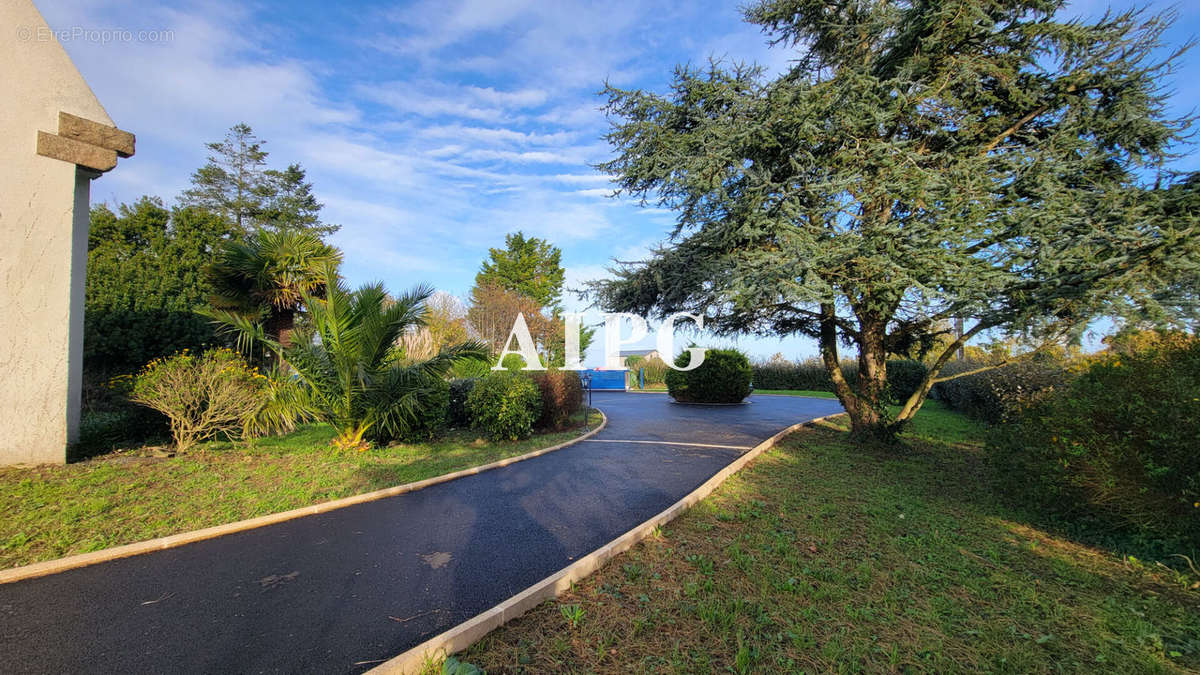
(918,162)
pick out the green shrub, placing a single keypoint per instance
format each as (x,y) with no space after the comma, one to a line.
(807,375)
(1117,444)
(505,405)
(203,396)
(513,363)
(470,369)
(656,371)
(904,377)
(99,432)
(562,396)
(653,372)
(993,395)
(108,430)
(458,415)
(425,422)
(723,377)
(109,420)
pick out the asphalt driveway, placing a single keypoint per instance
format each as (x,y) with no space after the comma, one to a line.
(345,590)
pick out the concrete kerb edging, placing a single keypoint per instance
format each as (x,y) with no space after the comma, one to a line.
(471,631)
(171,541)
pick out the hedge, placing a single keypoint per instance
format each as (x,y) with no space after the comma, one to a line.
(993,395)
(562,397)
(1118,444)
(904,376)
(431,418)
(457,413)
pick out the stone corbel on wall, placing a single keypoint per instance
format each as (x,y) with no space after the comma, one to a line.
(85,143)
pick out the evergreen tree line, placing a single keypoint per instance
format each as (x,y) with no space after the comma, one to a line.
(247,242)
(148,262)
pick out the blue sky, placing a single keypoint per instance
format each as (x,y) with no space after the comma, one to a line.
(432,128)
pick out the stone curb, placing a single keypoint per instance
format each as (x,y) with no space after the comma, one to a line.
(471,631)
(171,541)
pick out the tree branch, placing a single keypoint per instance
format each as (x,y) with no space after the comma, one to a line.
(1013,129)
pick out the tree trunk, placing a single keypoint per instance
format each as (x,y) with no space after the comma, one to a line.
(872,361)
(280,326)
(865,419)
(917,399)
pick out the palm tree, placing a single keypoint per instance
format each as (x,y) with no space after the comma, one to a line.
(347,369)
(266,278)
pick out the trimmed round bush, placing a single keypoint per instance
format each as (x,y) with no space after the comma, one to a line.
(505,405)
(723,377)
(460,388)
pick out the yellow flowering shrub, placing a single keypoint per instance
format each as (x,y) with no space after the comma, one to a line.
(203,395)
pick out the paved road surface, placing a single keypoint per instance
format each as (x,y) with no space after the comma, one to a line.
(345,590)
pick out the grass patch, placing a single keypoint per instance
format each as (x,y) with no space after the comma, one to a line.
(128,496)
(782,392)
(822,556)
(796,392)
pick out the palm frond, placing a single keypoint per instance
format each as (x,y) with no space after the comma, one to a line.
(288,402)
(445,360)
(246,326)
(344,358)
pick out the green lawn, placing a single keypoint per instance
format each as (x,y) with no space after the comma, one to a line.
(826,557)
(796,392)
(780,392)
(129,496)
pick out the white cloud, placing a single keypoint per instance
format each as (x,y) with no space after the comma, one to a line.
(429,131)
(575,115)
(522,157)
(582,178)
(439,24)
(208,77)
(498,136)
(523,98)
